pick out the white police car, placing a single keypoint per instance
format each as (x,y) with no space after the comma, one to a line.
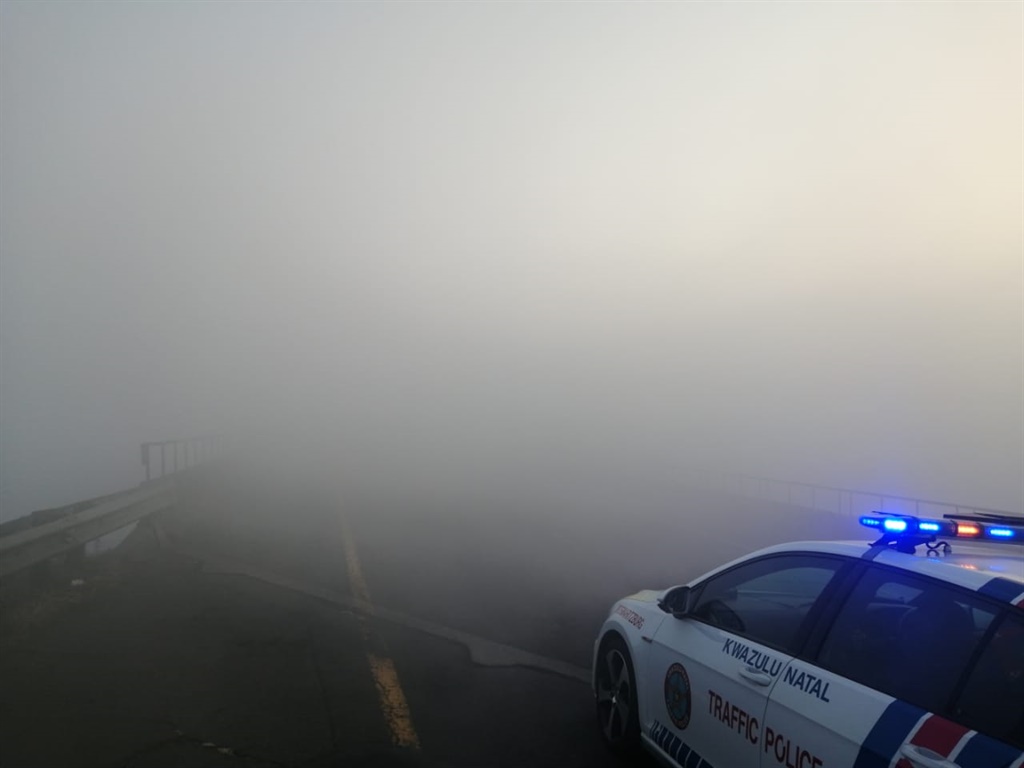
(829,655)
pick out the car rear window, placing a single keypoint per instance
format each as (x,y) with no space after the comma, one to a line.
(909,637)
(993,698)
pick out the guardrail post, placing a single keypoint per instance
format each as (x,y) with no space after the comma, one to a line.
(75,558)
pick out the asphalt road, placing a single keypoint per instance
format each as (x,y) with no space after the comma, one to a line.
(268,623)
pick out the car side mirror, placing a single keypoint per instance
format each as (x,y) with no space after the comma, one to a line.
(677,602)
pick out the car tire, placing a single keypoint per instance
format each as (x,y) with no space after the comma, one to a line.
(616,698)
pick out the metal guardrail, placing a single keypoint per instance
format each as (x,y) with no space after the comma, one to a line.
(48,533)
(843,501)
(72,531)
(43,516)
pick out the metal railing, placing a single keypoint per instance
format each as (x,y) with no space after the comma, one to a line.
(173,455)
(843,501)
(49,533)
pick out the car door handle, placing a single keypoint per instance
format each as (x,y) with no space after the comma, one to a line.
(755,676)
(922,757)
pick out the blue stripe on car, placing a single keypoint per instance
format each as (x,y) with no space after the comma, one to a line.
(887,735)
(984,752)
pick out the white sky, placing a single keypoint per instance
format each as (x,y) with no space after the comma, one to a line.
(779,237)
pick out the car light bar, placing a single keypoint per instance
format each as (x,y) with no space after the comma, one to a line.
(907,526)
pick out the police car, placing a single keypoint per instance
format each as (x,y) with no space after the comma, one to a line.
(908,652)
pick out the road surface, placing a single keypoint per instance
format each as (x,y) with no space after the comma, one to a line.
(266,623)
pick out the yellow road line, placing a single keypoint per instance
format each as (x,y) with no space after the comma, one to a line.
(392,702)
(355,574)
(385,676)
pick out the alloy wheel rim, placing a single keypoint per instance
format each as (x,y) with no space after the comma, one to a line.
(613,696)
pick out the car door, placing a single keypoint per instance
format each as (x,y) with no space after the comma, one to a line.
(710,670)
(875,687)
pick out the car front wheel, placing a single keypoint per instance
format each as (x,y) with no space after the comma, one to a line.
(615,684)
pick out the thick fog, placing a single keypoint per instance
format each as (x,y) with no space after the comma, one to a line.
(515,246)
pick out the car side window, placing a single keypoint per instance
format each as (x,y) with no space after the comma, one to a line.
(992,700)
(909,637)
(767,600)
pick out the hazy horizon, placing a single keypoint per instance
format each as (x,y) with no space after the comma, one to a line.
(516,241)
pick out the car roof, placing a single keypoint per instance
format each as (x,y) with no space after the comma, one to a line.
(996,571)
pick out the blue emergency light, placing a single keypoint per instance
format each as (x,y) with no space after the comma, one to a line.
(916,530)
